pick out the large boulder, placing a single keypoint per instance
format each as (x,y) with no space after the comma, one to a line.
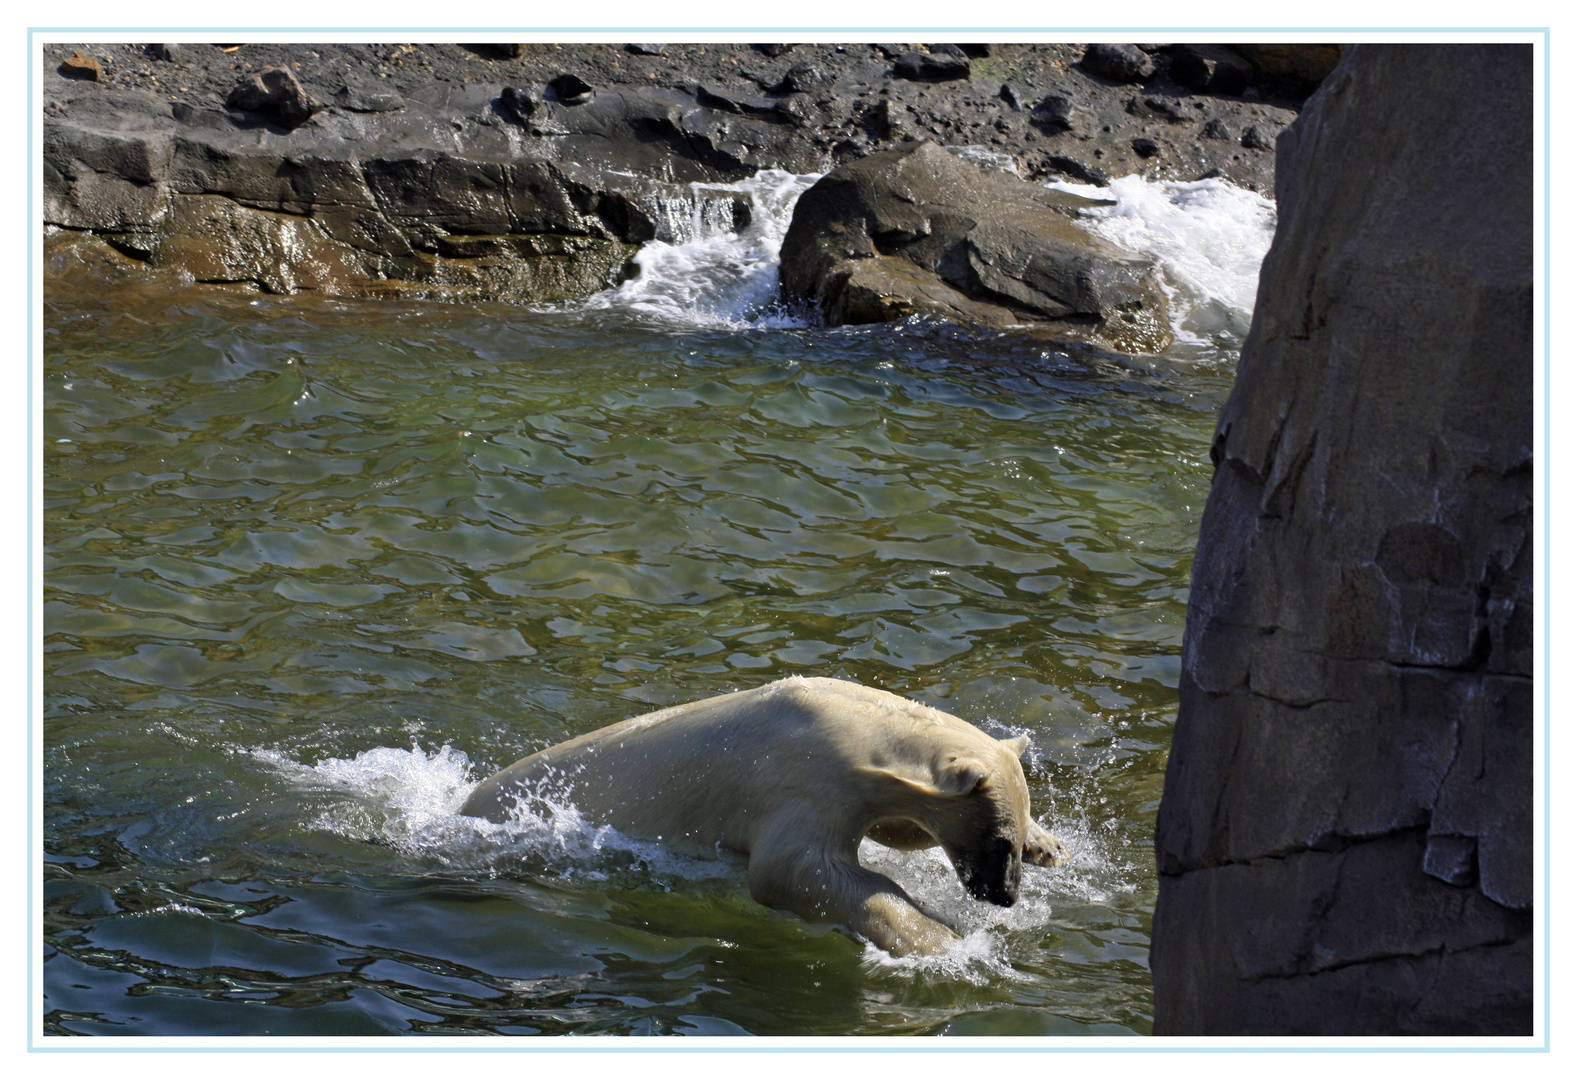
(919,231)
(1345,837)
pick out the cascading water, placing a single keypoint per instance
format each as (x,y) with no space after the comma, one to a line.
(701,271)
(1210,237)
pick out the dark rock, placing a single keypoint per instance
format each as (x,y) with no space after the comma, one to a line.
(1057,113)
(758,106)
(772,50)
(975,50)
(1119,63)
(493,50)
(1345,839)
(884,120)
(1215,128)
(274,93)
(946,50)
(169,53)
(847,150)
(794,110)
(1213,69)
(929,68)
(805,77)
(1257,138)
(890,51)
(1146,148)
(79,65)
(356,99)
(519,103)
(570,89)
(1299,66)
(1082,171)
(1014,99)
(646,50)
(1167,107)
(917,231)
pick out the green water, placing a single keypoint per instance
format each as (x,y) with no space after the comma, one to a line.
(294,549)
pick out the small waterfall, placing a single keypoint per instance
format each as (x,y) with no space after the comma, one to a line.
(702,270)
(687,218)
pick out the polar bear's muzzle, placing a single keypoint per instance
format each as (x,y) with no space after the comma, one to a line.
(991,872)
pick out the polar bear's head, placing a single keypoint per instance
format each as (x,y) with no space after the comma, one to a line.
(975,804)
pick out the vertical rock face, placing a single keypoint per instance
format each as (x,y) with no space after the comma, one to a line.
(1345,840)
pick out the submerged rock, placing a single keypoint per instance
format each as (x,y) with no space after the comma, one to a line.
(917,231)
(1345,840)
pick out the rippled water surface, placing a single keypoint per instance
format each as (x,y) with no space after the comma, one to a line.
(313,569)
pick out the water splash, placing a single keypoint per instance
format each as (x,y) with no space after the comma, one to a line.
(1210,237)
(701,271)
(981,955)
(410,800)
(979,958)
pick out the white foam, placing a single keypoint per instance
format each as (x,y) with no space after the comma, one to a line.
(1210,237)
(409,800)
(700,271)
(979,957)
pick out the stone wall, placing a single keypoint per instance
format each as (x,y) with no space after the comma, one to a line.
(1345,839)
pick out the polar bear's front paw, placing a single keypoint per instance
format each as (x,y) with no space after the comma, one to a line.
(1043,849)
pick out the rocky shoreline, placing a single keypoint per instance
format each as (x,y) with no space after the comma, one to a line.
(534,172)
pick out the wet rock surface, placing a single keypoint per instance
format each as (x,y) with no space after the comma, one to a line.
(920,231)
(1345,839)
(384,153)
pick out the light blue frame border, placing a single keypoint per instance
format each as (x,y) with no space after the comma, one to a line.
(34,464)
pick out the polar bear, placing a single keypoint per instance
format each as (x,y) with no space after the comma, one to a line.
(792,775)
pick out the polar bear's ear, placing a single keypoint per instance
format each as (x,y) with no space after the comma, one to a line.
(1016,745)
(956,776)
(960,776)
